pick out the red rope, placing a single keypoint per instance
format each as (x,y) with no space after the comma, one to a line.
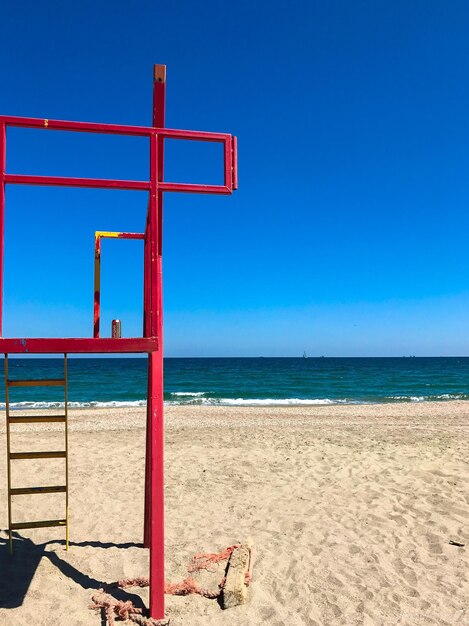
(118,608)
(199,562)
(126,610)
(206,559)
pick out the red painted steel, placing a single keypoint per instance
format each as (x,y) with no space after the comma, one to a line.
(132,185)
(155,419)
(97,287)
(158,132)
(127,236)
(191,135)
(77,345)
(228,156)
(112,129)
(235,163)
(66,181)
(2,215)
(88,127)
(153,234)
(146,278)
(188,188)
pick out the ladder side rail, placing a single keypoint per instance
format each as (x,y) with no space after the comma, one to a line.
(66,448)
(7,416)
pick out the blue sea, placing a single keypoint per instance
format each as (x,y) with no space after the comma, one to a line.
(107,382)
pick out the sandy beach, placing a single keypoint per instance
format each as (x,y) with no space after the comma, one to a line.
(351,510)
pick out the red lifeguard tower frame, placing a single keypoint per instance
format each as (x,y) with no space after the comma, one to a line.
(152,340)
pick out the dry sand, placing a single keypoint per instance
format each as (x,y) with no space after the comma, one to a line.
(351,510)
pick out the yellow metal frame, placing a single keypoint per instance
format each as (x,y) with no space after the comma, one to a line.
(53,454)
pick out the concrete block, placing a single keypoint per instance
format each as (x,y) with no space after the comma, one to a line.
(235,588)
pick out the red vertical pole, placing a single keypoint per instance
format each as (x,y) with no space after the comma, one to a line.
(2,214)
(159,103)
(147,333)
(97,286)
(146,278)
(155,426)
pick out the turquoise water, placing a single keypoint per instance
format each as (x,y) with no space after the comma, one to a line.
(247,381)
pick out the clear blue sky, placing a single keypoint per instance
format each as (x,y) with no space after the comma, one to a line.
(349,233)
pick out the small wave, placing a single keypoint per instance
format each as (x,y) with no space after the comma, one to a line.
(74,405)
(261,401)
(405,398)
(109,404)
(452,396)
(192,394)
(200,399)
(192,399)
(431,398)
(204,401)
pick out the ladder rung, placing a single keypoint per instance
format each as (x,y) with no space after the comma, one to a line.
(21,491)
(22,419)
(46,382)
(59,454)
(44,524)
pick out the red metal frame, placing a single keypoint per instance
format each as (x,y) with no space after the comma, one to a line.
(101,234)
(154,468)
(155,134)
(77,345)
(3,161)
(152,340)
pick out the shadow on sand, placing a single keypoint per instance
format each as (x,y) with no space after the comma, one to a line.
(17,570)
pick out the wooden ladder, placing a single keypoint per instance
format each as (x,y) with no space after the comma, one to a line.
(56,454)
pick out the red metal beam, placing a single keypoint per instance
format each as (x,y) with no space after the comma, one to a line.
(2,215)
(146,277)
(159,131)
(191,135)
(235,162)
(189,188)
(132,185)
(228,163)
(155,422)
(112,129)
(122,235)
(66,181)
(89,127)
(97,287)
(153,233)
(76,345)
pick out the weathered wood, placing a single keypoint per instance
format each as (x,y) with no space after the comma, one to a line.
(36,420)
(42,524)
(235,587)
(45,382)
(59,454)
(21,491)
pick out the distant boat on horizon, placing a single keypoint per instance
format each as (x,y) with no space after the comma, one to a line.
(305,356)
